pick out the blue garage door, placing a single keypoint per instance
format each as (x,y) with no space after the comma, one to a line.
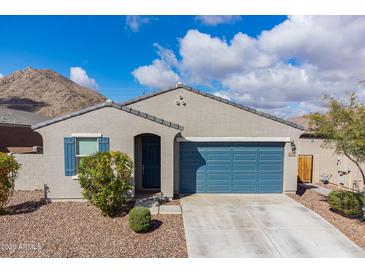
(231,167)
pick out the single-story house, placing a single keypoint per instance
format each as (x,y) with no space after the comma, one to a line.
(16,135)
(181,140)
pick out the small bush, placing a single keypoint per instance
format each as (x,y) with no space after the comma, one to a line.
(346,202)
(362,198)
(139,219)
(106,180)
(9,168)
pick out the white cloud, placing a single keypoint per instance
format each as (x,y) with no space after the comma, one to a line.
(134,22)
(156,75)
(206,58)
(327,53)
(214,20)
(159,74)
(1,75)
(275,85)
(79,76)
(329,42)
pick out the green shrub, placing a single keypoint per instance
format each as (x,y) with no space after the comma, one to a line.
(9,168)
(346,202)
(362,198)
(106,180)
(139,219)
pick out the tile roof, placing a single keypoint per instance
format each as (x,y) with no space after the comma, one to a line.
(108,103)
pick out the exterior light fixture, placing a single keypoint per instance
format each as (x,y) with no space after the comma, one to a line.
(293,147)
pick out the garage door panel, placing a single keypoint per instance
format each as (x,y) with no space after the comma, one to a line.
(241,167)
(271,157)
(274,169)
(211,166)
(218,189)
(218,156)
(244,177)
(251,157)
(201,190)
(247,188)
(200,176)
(219,177)
(231,167)
(267,189)
(270,177)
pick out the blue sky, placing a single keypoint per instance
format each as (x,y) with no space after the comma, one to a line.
(278,64)
(104,46)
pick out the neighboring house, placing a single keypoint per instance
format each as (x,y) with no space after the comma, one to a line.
(16,134)
(181,140)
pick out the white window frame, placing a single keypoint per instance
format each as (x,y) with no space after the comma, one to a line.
(77,156)
(86,135)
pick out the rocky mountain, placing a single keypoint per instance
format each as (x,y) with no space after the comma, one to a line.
(45,92)
(301,120)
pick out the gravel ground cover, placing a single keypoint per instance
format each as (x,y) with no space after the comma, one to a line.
(333,186)
(330,186)
(74,229)
(354,229)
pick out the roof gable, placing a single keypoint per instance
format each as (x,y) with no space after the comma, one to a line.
(109,103)
(217,98)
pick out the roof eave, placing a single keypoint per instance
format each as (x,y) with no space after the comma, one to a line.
(108,103)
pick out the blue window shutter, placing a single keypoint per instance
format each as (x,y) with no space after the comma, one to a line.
(70,156)
(103,144)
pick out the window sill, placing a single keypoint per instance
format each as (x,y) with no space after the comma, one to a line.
(75,177)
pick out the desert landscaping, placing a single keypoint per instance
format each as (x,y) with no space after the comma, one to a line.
(32,228)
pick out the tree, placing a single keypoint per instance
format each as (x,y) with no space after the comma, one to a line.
(106,180)
(343,127)
(9,168)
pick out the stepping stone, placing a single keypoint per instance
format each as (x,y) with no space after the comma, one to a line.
(154,210)
(170,209)
(151,202)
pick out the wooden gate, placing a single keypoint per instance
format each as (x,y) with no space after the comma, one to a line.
(305,165)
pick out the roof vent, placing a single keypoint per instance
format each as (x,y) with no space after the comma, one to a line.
(179,84)
(108,102)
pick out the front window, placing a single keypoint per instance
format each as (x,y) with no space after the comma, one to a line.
(85,147)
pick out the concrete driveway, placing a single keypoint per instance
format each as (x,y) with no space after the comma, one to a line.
(259,226)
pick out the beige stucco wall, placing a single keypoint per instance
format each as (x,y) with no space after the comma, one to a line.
(120,127)
(31,173)
(326,161)
(206,117)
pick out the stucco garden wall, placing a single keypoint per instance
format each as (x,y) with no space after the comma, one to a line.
(327,162)
(31,174)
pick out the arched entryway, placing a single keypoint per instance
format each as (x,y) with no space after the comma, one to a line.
(147,161)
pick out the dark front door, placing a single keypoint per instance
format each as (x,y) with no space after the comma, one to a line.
(151,161)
